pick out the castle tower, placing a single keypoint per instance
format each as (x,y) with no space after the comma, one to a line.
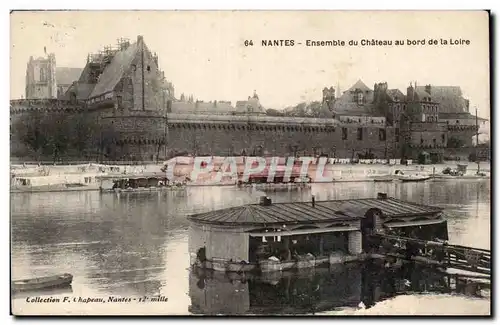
(41,77)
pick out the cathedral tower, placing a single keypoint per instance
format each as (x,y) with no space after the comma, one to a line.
(41,77)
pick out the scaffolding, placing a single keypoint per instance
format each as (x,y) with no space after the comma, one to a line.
(101,59)
(105,55)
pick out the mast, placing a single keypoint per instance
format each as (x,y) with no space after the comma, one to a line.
(142,71)
(477,143)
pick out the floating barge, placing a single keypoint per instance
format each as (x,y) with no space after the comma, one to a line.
(279,182)
(268,236)
(146,182)
(55,183)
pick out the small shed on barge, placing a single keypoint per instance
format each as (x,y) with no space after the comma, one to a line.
(278,236)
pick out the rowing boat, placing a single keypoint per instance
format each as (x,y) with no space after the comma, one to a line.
(48,282)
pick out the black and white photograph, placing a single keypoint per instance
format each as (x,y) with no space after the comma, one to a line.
(250,163)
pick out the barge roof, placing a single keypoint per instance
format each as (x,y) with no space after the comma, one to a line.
(134,176)
(305,212)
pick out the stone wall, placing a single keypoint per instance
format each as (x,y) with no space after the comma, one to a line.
(464,133)
(257,139)
(134,135)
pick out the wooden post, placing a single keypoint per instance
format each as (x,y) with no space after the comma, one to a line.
(321,241)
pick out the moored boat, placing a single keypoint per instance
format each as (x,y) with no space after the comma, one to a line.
(413,178)
(383,179)
(55,183)
(41,283)
(280,181)
(460,173)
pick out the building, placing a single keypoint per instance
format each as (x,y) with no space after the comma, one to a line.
(250,106)
(125,90)
(355,101)
(424,135)
(450,98)
(270,237)
(41,77)
(329,97)
(191,106)
(45,80)
(65,78)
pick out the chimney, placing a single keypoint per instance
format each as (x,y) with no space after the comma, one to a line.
(428,89)
(313,201)
(410,93)
(140,38)
(265,201)
(381,196)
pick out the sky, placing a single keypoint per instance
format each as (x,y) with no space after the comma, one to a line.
(203,52)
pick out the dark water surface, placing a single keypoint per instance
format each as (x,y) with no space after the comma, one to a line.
(134,244)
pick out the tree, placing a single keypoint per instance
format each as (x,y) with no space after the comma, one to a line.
(313,109)
(30,130)
(58,131)
(55,134)
(84,129)
(274,112)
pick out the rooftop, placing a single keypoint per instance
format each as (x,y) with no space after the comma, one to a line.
(459,116)
(305,212)
(66,76)
(450,98)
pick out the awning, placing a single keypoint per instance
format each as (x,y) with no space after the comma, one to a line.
(413,223)
(301,232)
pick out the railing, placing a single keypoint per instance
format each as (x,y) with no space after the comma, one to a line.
(440,254)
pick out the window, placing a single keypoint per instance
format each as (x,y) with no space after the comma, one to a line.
(396,134)
(43,75)
(458,122)
(434,141)
(119,102)
(148,68)
(360,98)
(360,133)
(344,133)
(443,138)
(381,134)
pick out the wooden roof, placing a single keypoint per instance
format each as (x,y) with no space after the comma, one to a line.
(304,212)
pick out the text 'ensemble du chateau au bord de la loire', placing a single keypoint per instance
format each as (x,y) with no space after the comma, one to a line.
(360,42)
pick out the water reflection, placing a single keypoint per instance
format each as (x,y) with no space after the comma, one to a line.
(136,243)
(309,292)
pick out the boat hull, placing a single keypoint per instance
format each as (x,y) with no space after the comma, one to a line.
(144,190)
(54,188)
(414,179)
(43,283)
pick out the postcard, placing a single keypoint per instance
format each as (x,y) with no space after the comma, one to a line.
(250,163)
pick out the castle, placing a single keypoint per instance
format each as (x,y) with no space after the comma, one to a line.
(124,89)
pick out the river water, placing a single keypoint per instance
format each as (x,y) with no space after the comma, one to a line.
(136,244)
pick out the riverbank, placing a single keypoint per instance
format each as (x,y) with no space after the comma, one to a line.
(183,168)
